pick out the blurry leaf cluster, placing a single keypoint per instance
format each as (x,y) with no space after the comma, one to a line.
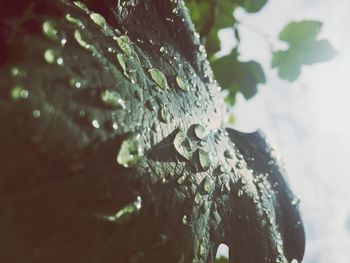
(234,75)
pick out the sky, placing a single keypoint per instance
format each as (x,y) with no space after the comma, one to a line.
(307,121)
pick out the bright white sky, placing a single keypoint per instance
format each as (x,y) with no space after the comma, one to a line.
(308,121)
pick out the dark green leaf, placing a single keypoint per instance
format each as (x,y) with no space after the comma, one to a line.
(238,76)
(304,49)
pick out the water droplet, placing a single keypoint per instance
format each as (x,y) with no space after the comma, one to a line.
(81,6)
(130,151)
(204,159)
(36,114)
(200,132)
(185,220)
(49,30)
(239,155)
(183,145)
(18,92)
(228,154)
(95,124)
(99,20)
(240,192)
(279,248)
(163,117)
(159,78)
(208,185)
(182,179)
(122,62)
(75,21)
(17,72)
(126,212)
(202,248)
(124,44)
(198,199)
(239,165)
(183,85)
(50,56)
(79,38)
(296,201)
(112,99)
(75,83)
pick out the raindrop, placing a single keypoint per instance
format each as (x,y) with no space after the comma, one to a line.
(36,114)
(183,145)
(163,117)
(99,20)
(75,83)
(74,21)
(296,201)
(182,179)
(18,92)
(112,99)
(130,151)
(183,85)
(50,56)
(208,185)
(124,44)
(159,78)
(200,132)
(17,72)
(49,30)
(202,248)
(95,124)
(81,6)
(240,192)
(126,212)
(228,154)
(239,155)
(122,62)
(198,199)
(59,61)
(204,159)
(185,220)
(222,252)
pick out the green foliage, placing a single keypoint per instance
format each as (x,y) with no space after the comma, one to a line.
(304,49)
(237,76)
(210,16)
(221,260)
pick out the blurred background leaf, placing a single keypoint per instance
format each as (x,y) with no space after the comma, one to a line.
(304,49)
(234,75)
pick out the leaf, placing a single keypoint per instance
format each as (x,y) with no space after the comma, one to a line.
(253,6)
(237,76)
(304,49)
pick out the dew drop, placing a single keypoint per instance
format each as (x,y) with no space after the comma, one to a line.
(183,145)
(198,199)
(99,20)
(204,159)
(130,151)
(50,56)
(81,6)
(182,179)
(18,92)
(208,185)
(228,154)
(95,124)
(126,212)
(182,84)
(163,117)
(185,220)
(36,114)
(74,21)
(17,72)
(122,62)
(112,99)
(124,44)
(75,83)
(49,30)
(159,78)
(200,132)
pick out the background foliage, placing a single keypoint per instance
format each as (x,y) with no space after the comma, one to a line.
(234,75)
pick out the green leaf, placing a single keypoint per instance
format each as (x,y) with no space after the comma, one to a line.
(253,6)
(221,260)
(304,49)
(237,76)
